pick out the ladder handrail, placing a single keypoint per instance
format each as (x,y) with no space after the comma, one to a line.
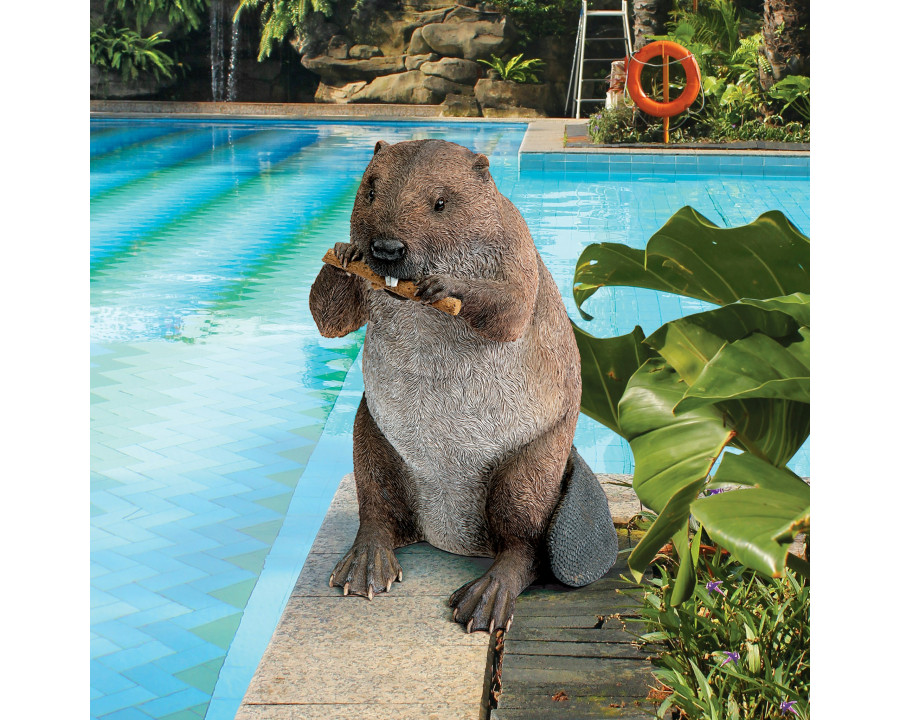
(578,59)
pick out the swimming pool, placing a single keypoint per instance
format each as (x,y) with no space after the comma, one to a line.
(220,420)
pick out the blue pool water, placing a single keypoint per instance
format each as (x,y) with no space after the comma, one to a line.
(220,420)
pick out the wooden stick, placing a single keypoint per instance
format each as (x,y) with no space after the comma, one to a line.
(406,288)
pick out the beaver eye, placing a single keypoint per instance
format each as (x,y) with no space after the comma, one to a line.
(439,205)
(371,195)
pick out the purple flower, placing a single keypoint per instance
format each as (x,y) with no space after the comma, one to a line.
(713,586)
(730,657)
(716,491)
(788,706)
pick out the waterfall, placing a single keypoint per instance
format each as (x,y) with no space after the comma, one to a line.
(216,47)
(232,61)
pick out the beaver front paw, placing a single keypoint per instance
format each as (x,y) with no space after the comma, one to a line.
(347,253)
(367,569)
(484,604)
(437,287)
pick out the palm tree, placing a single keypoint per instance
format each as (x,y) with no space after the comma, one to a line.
(785,39)
(649,19)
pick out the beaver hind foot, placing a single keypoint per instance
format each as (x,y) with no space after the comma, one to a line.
(581,541)
(369,568)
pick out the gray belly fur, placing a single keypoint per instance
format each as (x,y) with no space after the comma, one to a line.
(452,404)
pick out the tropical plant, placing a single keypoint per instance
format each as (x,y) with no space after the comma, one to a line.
(281,18)
(794,92)
(785,28)
(738,647)
(137,13)
(537,18)
(516,69)
(736,376)
(125,50)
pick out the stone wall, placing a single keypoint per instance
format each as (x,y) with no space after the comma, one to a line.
(423,52)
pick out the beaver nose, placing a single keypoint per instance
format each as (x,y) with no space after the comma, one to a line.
(388,249)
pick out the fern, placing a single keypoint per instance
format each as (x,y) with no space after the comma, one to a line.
(280,18)
(137,13)
(125,50)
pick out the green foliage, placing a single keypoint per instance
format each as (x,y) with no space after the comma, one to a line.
(132,55)
(731,610)
(281,18)
(535,19)
(793,91)
(516,69)
(734,376)
(726,41)
(137,13)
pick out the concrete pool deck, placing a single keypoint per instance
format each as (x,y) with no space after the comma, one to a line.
(398,656)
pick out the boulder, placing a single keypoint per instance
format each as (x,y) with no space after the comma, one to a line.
(469,40)
(338,47)
(409,88)
(508,96)
(413,62)
(417,44)
(455,105)
(335,71)
(339,94)
(364,52)
(455,69)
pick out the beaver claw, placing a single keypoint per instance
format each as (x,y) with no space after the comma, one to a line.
(437,287)
(367,569)
(347,253)
(484,604)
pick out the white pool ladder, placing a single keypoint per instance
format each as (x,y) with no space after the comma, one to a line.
(576,77)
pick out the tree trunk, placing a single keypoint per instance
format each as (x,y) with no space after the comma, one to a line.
(649,19)
(785,39)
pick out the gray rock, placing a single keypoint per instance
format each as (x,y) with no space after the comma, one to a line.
(364,52)
(335,71)
(339,94)
(417,44)
(413,62)
(455,69)
(409,88)
(470,40)
(460,106)
(338,47)
(508,94)
(461,13)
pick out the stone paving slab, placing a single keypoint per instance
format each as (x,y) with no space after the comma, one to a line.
(397,656)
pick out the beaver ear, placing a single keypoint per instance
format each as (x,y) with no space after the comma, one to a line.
(481,164)
(380,145)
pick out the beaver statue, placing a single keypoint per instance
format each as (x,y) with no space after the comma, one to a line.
(463,437)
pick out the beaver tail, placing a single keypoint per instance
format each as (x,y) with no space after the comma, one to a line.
(581,541)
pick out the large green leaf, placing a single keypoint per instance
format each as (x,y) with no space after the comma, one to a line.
(606,366)
(673,454)
(753,367)
(758,524)
(692,256)
(690,343)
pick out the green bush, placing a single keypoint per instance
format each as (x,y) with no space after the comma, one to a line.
(126,51)
(536,19)
(739,647)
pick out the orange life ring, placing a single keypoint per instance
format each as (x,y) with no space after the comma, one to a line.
(691,85)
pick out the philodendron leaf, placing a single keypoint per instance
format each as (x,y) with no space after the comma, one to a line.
(754,367)
(673,454)
(606,366)
(690,343)
(692,256)
(757,524)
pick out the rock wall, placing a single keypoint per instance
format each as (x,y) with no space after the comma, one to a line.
(423,52)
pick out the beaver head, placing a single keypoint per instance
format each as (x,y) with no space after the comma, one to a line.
(424,207)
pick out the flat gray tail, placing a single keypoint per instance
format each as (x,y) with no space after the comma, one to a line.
(581,541)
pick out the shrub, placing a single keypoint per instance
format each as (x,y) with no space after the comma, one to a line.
(739,647)
(132,55)
(516,69)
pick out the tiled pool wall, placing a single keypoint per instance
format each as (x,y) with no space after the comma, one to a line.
(700,163)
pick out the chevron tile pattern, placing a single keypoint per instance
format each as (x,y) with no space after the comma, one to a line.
(211,389)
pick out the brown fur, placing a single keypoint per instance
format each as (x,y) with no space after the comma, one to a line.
(513,323)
